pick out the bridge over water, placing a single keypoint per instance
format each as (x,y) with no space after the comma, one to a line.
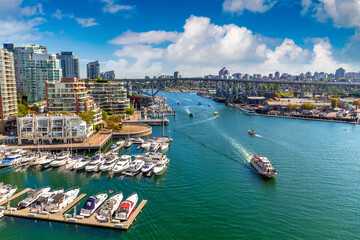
(230,88)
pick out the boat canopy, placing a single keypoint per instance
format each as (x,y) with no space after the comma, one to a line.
(90,203)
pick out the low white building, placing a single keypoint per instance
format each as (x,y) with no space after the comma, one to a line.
(49,129)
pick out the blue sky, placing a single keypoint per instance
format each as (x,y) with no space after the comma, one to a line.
(138,38)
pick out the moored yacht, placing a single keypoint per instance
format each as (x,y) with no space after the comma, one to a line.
(81,164)
(6,191)
(122,164)
(127,207)
(164,146)
(92,204)
(109,163)
(109,207)
(160,168)
(134,167)
(95,163)
(71,163)
(149,165)
(249,112)
(61,159)
(263,165)
(11,159)
(45,162)
(61,200)
(32,196)
(43,199)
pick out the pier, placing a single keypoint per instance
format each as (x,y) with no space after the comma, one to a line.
(151,122)
(62,217)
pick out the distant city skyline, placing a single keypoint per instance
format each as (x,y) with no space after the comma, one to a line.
(138,38)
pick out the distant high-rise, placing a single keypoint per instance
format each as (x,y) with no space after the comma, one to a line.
(93,70)
(21,55)
(224,73)
(8,103)
(109,75)
(271,76)
(277,75)
(39,69)
(340,73)
(176,75)
(69,65)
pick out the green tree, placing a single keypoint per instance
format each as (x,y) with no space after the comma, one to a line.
(22,110)
(308,106)
(277,94)
(104,115)
(291,107)
(334,102)
(87,116)
(129,111)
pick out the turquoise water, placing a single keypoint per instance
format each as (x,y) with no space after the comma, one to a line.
(209,190)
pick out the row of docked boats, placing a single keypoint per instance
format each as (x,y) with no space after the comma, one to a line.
(6,191)
(154,144)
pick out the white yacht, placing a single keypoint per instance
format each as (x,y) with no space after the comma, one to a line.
(61,159)
(81,164)
(127,207)
(156,157)
(32,196)
(263,166)
(122,164)
(160,168)
(94,164)
(11,159)
(154,146)
(47,160)
(29,158)
(138,140)
(61,200)
(164,146)
(43,199)
(146,145)
(135,167)
(71,163)
(92,204)
(121,142)
(41,156)
(109,163)
(249,112)
(149,165)
(109,208)
(6,191)
(127,143)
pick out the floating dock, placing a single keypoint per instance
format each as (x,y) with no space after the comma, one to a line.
(62,217)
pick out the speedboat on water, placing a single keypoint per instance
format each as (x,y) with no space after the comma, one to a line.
(160,168)
(252,132)
(92,204)
(61,200)
(43,200)
(191,114)
(61,159)
(81,164)
(122,164)
(149,165)
(71,163)
(6,191)
(109,163)
(127,207)
(109,207)
(95,163)
(134,167)
(263,166)
(32,196)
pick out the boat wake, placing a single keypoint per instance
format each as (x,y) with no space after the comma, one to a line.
(257,135)
(198,122)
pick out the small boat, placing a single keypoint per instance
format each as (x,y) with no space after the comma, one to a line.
(61,200)
(191,114)
(122,164)
(29,158)
(146,145)
(46,161)
(127,207)
(154,146)
(249,112)
(164,139)
(39,159)
(252,132)
(10,160)
(121,142)
(134,167)
(127,144)
(209,105)
(109,163)
(61,159)
(177,102)
(43,199)
(149,165)
(6,191)
(263,165)
(71,163)
(113,146)
(81,164)
(95,163)
(160,168)
(156,157)
(138,140)
(164,146)
(32,196)
(109,208)
(92,204)
(199,103)
(216,114)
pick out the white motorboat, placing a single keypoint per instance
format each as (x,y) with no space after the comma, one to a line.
(61,200)
(122,164)
(113,146)
(6,191)
(10,160)
(249,112)
(71,163)
(121,142)
(2,213)
(156,157)
(134,167)
(149,165)
(94,164)
(29,158)
(146,145)
(164,146)
(92,204)
(127,143)
(160,168)
(32,196)
(43,199)
(109,163)
(127,207)
(61,159)
(81,164)
(138,140)
(47,160)
(154,146)
(109,208)
(263,166)
(39,159)
(164,139)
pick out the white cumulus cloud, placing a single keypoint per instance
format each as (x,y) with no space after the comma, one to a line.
(150,37)
(20,30)
(86,22)
(112,7)
(238,6)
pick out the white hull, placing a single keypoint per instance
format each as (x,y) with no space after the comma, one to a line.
(104,213)
(88,213)
(125,216)
(8,194)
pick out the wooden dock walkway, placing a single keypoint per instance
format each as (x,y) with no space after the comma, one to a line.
(19,194)
(61,217)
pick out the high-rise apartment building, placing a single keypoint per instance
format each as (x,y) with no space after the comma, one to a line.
(93,70)
(40,69)
(21,55)
(71,95)
(109,75)
(111,96)
(69,65)
(340,73)
(8,101)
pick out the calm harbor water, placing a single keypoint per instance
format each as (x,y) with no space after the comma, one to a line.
(209,190)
